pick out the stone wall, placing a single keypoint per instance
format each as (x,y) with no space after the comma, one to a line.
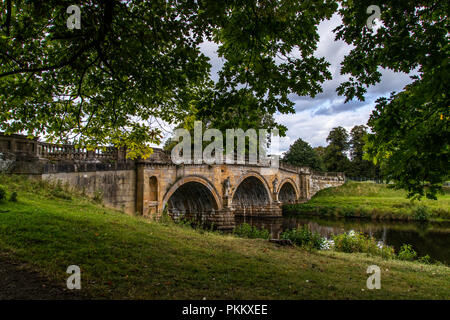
(319,181)
(117,188)
(7,161)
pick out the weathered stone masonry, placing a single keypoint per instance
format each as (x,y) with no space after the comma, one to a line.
(212,193)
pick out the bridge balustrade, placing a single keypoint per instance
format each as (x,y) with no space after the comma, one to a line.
(19,144)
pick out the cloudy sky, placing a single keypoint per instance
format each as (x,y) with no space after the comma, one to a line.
(315,117)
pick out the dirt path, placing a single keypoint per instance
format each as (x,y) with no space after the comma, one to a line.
(19,281)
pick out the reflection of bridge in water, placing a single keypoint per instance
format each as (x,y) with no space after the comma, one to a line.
(211,193)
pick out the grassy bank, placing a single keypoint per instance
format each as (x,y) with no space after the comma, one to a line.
(375,201)
(128,257)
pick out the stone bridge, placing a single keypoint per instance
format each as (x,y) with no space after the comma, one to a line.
(214,194)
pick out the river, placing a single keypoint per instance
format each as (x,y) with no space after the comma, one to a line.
(432,238)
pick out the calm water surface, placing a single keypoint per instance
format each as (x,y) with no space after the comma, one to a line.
(432,238)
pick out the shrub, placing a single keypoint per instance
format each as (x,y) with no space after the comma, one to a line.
(407,253)
(358,242)
(421,213)
(306,238)
(60,193)
(2,193)
(13,197)
(184,222)
(386,252)
(247,231)
(54,190)
(165,217)
(425,259)
(195,223)
(98,197)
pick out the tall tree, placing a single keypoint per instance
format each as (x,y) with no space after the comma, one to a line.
(301,154)
(320,151)
(360,167)
(335,157)
(411,128)
(134,62)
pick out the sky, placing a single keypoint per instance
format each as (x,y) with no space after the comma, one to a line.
(315,117)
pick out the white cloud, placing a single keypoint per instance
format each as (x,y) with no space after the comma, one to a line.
(315,128)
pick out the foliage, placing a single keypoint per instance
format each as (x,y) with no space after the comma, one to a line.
(98,196)
(320,151)
(13,197)
(165,217)
(360,167)
(2,193)
(303,155)
(425,259)
(59,191)
(358,242)
(135,62)
(421,213)
(334,157)
(410,129)
(304,237)
(413,152)
(245,230)
(61,194)
(407,253)
(357,135)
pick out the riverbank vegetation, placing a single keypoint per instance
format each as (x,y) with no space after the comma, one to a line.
(352,242)
(123,257)
(246,230)
(373,201)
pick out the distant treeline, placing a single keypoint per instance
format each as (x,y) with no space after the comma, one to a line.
(344,153)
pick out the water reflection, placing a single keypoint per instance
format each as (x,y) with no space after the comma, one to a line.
(426,238)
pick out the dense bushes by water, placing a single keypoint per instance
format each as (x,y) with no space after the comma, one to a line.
(351,242)
(407,253)
(346,242)
(305,238)
(358,242)
(247,231)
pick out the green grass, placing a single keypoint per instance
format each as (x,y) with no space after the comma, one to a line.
(370,200)
(128,257)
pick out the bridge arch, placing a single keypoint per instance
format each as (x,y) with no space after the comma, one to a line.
(251,189)
(192,196)
(288,191)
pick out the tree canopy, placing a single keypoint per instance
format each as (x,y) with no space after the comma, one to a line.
(360,167)
(335,157)
(301,154)
(134,63)
(410,129)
